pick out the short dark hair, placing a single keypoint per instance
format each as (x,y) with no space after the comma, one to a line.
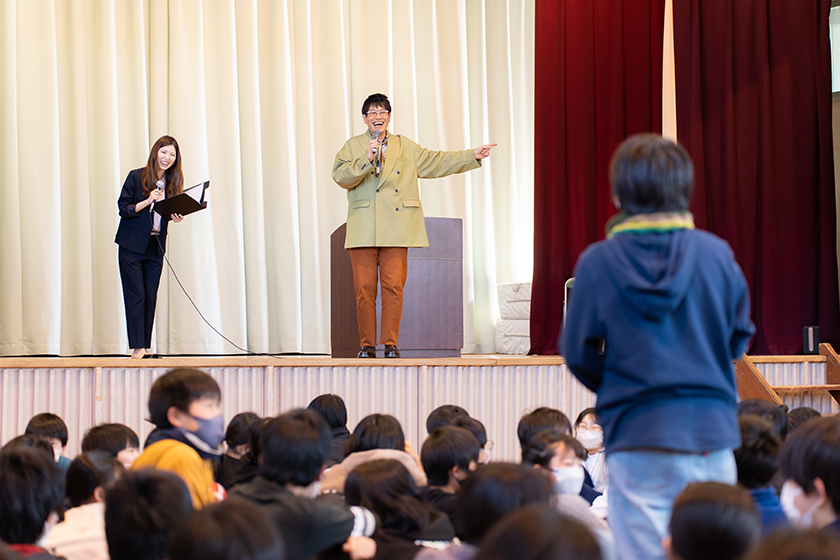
(776,414)
(376,431)
(111,438)
(799,416)
(295,447)
(475,427)
(788,544)
(179,388)
(584,413)
(649,173)
(541,448)
(444,415)
(332,408)
(374,100)
(543,418)
(234,529)
(87,472)
(31,488)
(758,457)
(492,492)
(714,520)
(140,511)
(30,442)
(813,451)
(47,425)
(444,449)
(238,428)
(538,532)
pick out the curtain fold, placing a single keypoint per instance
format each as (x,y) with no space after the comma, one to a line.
(260,94)
(598,80)
(753,90)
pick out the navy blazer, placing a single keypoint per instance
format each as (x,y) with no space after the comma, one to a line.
(136,227)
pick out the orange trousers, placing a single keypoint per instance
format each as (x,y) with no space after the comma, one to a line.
(391,264)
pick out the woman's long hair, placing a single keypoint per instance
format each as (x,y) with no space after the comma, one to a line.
(174,175)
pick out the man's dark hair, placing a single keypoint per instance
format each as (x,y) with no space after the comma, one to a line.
(238,429)
(140,511)
(295,447)
(541,448)
(539,420)
(47,425)
(89,471)
(758,457)
(813,451)
(799,416)
(492,492)
(111,438)
(714,520)
(376,100)
(31,488)
(475,427)
(331,408)
(179,388)
(231,530)
(649,173)
(444,415)
(776,414)
(788,544)
(444,449)
(376,431)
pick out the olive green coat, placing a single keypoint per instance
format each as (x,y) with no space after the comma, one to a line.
(385,211)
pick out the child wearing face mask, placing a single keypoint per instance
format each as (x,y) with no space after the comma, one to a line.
(810,462)
(185,407)
(589,433)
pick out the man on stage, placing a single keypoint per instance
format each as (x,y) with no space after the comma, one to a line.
(384,215)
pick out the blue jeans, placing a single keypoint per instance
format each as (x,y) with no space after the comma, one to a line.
(642,488)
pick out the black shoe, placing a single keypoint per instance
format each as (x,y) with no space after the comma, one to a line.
(367,352)
(391,351)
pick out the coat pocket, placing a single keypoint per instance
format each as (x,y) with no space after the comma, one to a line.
(411,204)
(361,203)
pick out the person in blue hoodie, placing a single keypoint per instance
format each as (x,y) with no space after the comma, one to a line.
(658,314)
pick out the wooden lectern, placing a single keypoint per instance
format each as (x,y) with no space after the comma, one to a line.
(432,324)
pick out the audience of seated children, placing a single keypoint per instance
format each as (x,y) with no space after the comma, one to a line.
(758,462)
(81,535)
(590,434)
(333,410)
(799,416)
(538,532)
(477,429)
(444,415)
(295,448)
(486,497)
(141,510)
(810,462)
(712,521)
(53,430)
(231,530)
(797,545)
(236,441)
(185,407)
(406,523)
(448,456)
(118,440)
(31,491)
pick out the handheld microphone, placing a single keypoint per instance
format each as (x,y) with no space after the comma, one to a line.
(375,137)
(152,207)
(376,158)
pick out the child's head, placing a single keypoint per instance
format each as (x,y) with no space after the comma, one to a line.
(140,511)
(758,457)
(31,490)
(50,428)
(238,430)
(331,408)
(799,416)
(449,454)
(90,475)
(561,454)
(191,400)
(539,420)
(118,440)
(386,488)
(588,432)
(295,446)
(777,415)
(376,431)
(712,521)
(444,415)
(810,462)
(477,429)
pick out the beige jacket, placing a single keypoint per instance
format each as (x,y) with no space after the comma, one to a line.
(385,211)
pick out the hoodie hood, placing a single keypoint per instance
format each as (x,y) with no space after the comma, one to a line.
(653,271)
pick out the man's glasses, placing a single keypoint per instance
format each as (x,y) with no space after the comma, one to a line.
(377,113)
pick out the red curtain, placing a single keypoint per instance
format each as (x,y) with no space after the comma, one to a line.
(753,92)
(598,80)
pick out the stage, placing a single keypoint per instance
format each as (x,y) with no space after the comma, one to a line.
(495,389)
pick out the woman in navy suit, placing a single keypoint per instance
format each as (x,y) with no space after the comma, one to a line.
(142,238)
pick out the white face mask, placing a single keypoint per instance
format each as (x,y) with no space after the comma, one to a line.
(790,490)
(590,439)
(568,480)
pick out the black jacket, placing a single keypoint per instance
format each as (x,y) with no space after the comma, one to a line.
(136,227)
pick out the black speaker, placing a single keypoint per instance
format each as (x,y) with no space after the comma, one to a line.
(810,340)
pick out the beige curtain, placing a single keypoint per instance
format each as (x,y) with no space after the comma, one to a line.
(260,94)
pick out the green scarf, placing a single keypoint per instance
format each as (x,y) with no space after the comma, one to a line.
(659,222)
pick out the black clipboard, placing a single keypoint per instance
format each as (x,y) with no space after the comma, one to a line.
(184,203)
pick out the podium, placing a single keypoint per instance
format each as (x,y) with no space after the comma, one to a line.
(432,324)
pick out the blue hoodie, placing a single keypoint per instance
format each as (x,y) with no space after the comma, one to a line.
(673,312)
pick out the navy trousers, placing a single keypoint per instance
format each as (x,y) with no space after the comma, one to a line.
(140,275)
